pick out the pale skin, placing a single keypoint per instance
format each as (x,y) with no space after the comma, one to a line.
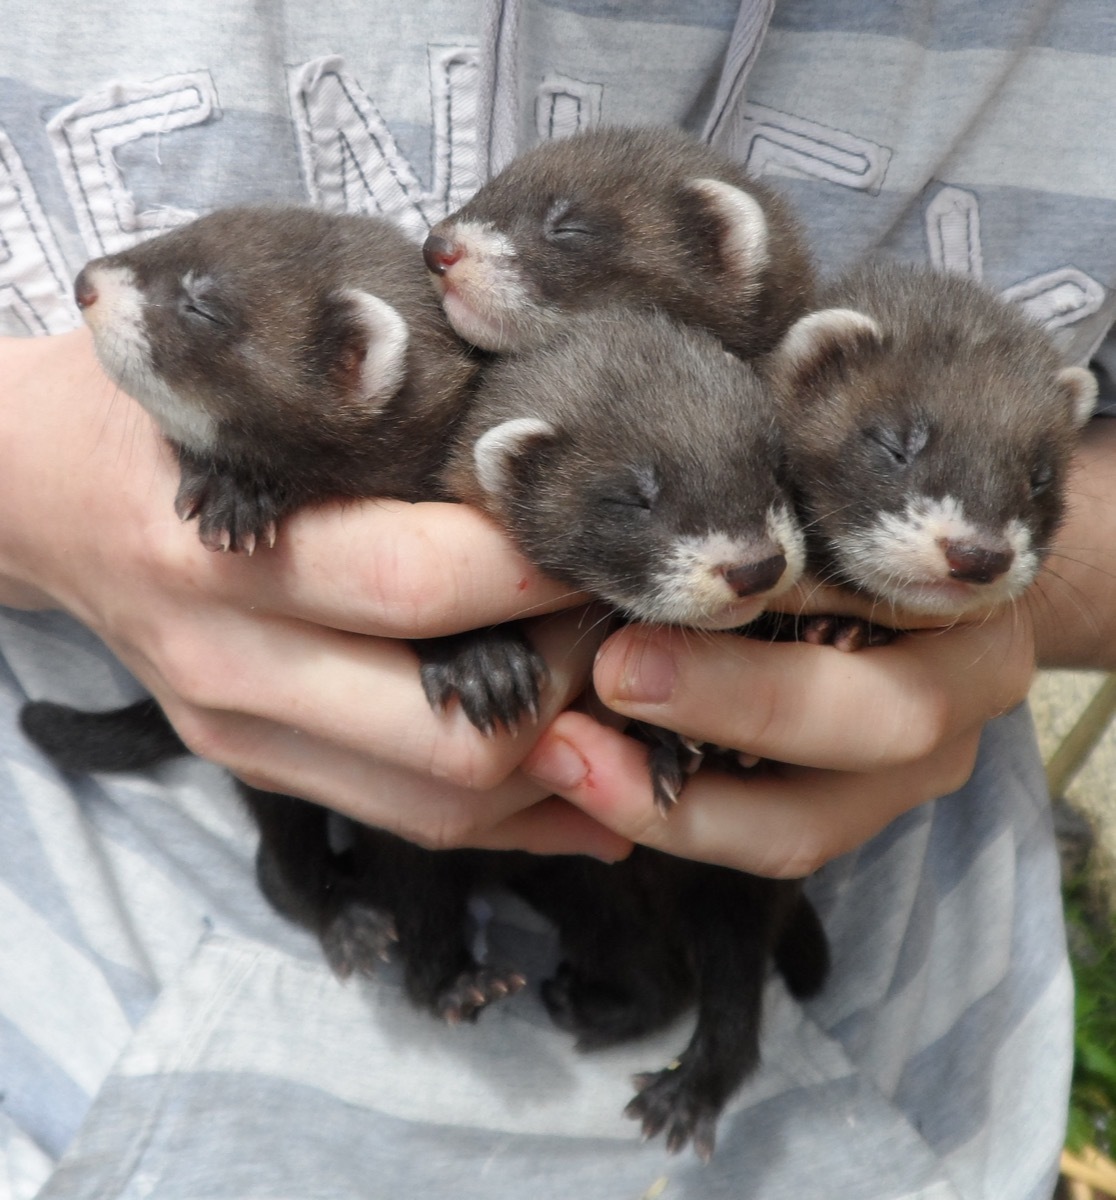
(287,669)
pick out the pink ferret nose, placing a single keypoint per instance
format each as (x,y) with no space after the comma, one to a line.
(439,254)
(85,294)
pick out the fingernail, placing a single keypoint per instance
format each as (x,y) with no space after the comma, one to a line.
(647,672)
(557,765)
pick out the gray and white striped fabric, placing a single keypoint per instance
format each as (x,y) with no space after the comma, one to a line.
(162,1033)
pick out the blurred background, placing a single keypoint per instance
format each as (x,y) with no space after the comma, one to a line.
(1075,712)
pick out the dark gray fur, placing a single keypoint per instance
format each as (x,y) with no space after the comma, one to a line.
(960,396)
(658,436)
(655,438)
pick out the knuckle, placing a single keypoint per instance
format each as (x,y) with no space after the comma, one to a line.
(204,735)
(1014,687)
(456,827)
(189,674)
(469,760)
(484,774)
(405,587)
(960,763)
(925,726)
(395,595)
(170,561)
(809,852)
(260,780)
(755,718)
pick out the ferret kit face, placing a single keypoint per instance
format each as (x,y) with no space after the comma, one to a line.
(930,427)
(638,217)
(291,354)
(635,459)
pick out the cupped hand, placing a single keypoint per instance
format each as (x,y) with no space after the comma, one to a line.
(287,666)
(848,741)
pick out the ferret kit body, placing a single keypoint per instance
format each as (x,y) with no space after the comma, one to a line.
(668,409)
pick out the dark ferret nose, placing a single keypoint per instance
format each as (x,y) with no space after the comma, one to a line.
(85,294)
(439,255)
(750,579)
(975,564)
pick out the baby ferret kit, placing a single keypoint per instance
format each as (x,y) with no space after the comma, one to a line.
(626,362)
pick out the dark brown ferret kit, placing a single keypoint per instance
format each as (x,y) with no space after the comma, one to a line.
(288,355)
(644,218)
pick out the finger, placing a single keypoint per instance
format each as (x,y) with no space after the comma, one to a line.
(784,823)
(435,813)
(516,815)
(554,826)
(373,566)
(357,694)
(379,567)
(810,596)
(813,705)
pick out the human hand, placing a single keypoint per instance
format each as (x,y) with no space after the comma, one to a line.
(849,741)
(285,667)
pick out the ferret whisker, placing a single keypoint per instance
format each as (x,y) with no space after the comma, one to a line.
(1084,609)
(1064,553)
(527,613)
(818,519)
(707,636)
(586,631)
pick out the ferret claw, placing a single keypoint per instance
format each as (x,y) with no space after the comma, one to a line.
(473,990)
(665,793)
(494,675)
(671,1100)
(357,938)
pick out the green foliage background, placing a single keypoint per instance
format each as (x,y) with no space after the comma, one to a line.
(1091,930)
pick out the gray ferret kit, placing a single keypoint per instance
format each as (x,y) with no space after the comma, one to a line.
(930,427)
(634,459)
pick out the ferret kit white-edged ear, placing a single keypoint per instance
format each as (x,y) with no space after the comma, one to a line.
(374,360)
(821,340)
(1080,387)
(496,451)
(929,428)
(744,234)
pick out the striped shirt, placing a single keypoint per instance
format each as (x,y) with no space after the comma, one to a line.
(162,1032)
